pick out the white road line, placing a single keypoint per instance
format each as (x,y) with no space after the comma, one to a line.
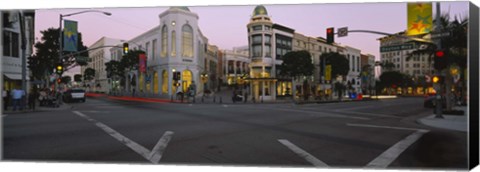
(387,157)
(319,114)
(310,158)
(354,108)
(388,127)
(368,114)
(158,150)
(153,156)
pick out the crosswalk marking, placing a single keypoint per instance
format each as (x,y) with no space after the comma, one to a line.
(153,156)
(300,152)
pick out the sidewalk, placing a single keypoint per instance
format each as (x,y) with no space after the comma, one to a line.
(450,122)
(63,106)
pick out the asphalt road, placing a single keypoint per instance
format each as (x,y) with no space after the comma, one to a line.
(370,134)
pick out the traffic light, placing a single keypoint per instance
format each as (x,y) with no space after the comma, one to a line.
(330,35)
(440,61)
(437,79)
(125,48)
(59,69)
(59,80)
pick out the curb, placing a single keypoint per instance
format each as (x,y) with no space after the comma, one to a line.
(419,121)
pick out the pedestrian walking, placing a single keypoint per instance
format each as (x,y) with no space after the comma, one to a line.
(17,98)
(6,98)
(32,98)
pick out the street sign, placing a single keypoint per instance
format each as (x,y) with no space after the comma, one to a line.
(408,46)
(439,35)
(342,32)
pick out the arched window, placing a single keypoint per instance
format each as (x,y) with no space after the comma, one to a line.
(164,82)
(174,45)
(155,82)
(187,79)
(187,41)
(163,53)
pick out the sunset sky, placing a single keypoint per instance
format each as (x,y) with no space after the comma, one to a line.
(225,25)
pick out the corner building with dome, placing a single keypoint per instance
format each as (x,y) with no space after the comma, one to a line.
(175,45)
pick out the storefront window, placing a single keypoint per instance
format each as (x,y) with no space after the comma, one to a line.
(164,82)
(186,80)
(155,83)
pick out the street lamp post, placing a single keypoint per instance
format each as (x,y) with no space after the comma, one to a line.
(60,48)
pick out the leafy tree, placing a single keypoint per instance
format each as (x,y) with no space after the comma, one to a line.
(130,60)
(390,78)
(46,53)
(66,79)
(340,66)
(77,78)
(296,64)
(340,89)
(388,66)
(89,74)
(114,69)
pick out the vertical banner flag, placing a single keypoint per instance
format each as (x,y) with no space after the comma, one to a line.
(142,63)
(419,18)
(328,72)
(70,36)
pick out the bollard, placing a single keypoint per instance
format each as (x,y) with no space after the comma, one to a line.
(220,100)
(214,99)
(202,99)
(262,100)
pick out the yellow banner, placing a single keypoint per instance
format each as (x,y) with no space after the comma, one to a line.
(419,18)
(328,72)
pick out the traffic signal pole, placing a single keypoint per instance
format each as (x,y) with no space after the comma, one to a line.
(438,42)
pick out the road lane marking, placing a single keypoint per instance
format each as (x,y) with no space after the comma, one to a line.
(159,148)
(387,157)
(392,153)
(153,156)
(300,152)
(368,114)
(388,127)
(319,114)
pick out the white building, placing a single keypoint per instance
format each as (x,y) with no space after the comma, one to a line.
(98,59)
(10,46)
(353,79)
(269,41)
(175,45)
(395,50)
(235,64)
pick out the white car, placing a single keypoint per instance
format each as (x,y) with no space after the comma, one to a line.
(74,94)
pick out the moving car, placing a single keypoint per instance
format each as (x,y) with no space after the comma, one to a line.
(74,94)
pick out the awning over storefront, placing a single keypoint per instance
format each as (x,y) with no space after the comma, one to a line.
(15,76)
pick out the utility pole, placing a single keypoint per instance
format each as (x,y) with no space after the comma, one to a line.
(438,42)
(23,46)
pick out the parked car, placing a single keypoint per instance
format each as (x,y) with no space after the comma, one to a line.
(74,94)
(429,101)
